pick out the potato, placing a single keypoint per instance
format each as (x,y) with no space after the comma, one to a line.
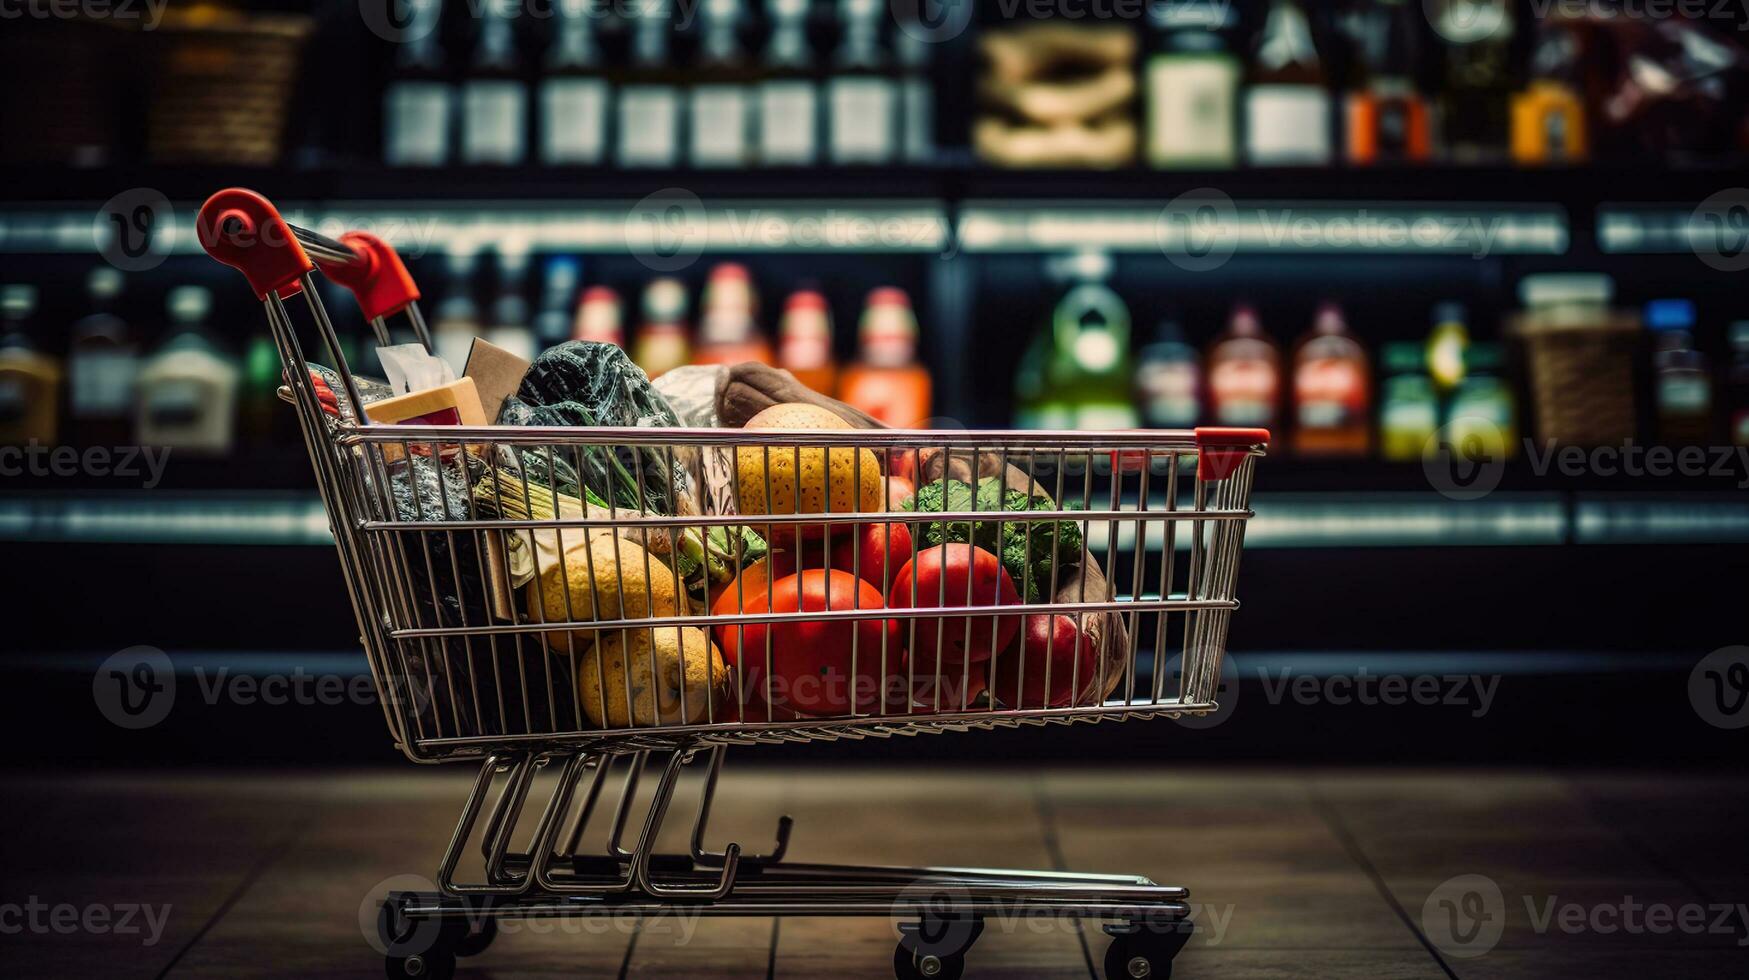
(619,589)
(684,658)
(799,479)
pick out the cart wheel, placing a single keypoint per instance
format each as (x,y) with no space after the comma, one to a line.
(474,941)
(910,965)
(433,964)
(1143,954)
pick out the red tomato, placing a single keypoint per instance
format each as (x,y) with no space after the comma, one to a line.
(872,552)
(1052,640)
(942,577)
(902,463)
(953,687)
(811,662)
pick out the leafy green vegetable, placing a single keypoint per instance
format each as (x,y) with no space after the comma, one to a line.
(1027,555)
(593,384)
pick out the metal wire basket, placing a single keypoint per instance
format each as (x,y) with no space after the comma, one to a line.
(549,673)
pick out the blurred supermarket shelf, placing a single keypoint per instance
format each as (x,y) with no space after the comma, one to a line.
(1209,224)
(1713,228)
(1284,520)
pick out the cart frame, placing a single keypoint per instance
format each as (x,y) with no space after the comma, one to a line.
(940,911)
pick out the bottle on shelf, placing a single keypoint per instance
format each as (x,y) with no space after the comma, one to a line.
(1548,117)
(574,94)
(728,329)
(789,93)
(1332,390)
(458,317)
(1682,381)
(1088,376)
(650,98)
(419,101)
(885,380)
(510,329)
(1477,77)
(495,95)
(1446,346)
(1169,380)
(720,102)
(1244,374)
(103,359)
(598,318)
(552,325)
(662,343)
(1736,393)
(30,380)
(863,91)
(1482,419)
(1287,98)
(1388,120)
(1408,405)
(262,417)
(912,55)
(1192,80)
(804,341)
(187,389)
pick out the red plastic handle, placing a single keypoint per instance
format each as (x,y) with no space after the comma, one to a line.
(241,229)
(1220,450)
(378,279)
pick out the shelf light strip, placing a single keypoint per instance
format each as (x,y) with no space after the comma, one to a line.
(1282,521)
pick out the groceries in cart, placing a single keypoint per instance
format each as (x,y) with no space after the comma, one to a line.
(639,533)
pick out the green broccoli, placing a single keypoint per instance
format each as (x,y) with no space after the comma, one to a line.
(1027,558)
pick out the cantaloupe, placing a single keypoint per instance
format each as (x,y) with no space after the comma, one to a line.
(839,480)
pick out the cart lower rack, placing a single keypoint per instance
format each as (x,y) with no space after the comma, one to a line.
(554,602)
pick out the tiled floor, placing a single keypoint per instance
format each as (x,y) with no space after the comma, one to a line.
(1330,873)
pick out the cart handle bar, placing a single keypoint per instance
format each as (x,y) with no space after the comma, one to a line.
(244,230)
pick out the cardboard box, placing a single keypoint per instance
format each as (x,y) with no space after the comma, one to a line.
(497,374)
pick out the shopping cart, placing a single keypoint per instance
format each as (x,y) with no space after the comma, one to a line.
(421,558)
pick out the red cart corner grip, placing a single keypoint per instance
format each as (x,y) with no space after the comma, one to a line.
(1219,451)
(243,230)
(378,279)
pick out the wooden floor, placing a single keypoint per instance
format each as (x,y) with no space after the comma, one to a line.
(1293,874)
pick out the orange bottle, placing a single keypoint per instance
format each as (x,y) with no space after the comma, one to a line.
(727,330)
(886,381)
(1244,374)
(598,317)
(1332,390)
(804,341)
